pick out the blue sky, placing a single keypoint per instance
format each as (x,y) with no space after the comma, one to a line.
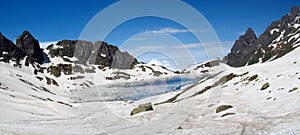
(53,20)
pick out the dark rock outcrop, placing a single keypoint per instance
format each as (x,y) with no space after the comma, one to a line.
(142,108)
(56,70)
(66,48)
(30,47)
(242,49)
(98,53)
(7,48)
(277,40)
(9,51)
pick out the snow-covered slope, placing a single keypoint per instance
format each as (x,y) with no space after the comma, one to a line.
(256,107)
(257,99)
(210,67)
(84,76)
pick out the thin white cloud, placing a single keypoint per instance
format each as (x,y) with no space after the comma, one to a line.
(185,46)
(169,31)
(196,45)
(46,44)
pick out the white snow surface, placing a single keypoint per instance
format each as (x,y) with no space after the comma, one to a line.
(103,55)
(29,109)
(272,31)
(280,37)
(296,36)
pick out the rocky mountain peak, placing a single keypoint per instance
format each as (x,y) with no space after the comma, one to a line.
(245,45)
(8,50)
(289,18)
(31,47)
(279,38)
(250,33)
(97,53)
(247,39)
(294,11)
(27,38)
(26,33)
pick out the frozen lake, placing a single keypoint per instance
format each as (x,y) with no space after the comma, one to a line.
(134,90)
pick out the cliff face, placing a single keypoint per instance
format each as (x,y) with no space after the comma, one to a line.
(278,39)
(30,47)
(98,53)
(27,45)
(242,49)
(7,48)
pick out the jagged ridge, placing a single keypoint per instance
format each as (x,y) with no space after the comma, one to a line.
(279,38)
(97,53)
(27,45)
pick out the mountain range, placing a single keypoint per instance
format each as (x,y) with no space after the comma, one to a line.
(83,87)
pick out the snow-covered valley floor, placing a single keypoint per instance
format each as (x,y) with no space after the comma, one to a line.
(257,99)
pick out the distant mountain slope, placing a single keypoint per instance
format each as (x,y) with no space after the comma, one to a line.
(97,53)
(205,68)
(72,65)
(279,38)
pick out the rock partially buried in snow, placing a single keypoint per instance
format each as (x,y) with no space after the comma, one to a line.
(142,108)
(265,86)
(223,108)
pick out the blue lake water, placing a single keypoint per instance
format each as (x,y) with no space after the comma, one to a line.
(135,90)
(145,89)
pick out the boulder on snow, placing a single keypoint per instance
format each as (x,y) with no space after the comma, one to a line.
(142,108)
(56,70)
